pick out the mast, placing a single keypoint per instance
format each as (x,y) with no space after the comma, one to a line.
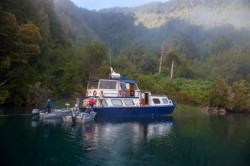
(109,58)
(161,59)
(172,69)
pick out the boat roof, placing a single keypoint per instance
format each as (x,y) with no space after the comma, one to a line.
(121,80)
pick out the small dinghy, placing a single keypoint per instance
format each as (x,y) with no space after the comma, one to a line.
(54,114)
(79,117)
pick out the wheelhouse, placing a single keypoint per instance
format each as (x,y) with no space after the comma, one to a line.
(112,88)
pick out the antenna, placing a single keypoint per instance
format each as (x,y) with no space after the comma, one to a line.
(172,69)
(161,58)
(109,57)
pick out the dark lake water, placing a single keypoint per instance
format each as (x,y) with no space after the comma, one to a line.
(187,138)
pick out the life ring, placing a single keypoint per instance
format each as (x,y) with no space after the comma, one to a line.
(87,93)
(94,93)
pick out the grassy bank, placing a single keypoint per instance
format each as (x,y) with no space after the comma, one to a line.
(184,110)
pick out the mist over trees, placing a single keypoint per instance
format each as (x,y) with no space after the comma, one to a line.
(50,47)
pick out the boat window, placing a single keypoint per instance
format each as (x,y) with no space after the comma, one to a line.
(104,103)
(156,101)
(92,85)
(165,101)
(132,86)
(116,102)
(123,86)
(129,102)
(107,84)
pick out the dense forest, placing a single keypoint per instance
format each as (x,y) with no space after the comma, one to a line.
(51,47)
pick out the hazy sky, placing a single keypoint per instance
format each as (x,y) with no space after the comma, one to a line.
(100,4)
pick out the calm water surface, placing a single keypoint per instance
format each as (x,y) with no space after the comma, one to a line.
(184,139)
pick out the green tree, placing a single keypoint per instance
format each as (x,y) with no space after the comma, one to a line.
(220,91)
(238,98)
(220,44)
(8,30)
(96,53)
(28,38)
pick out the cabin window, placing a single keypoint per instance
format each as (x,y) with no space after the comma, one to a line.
(92,85)
(123,86)
(165,101)
(104,103)
(107,85)
(156,101)
(133,86)
(129,102)
(116,102)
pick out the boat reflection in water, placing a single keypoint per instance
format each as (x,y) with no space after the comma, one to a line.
(135,119)
(112,133)
(112,139)
(134,128)
(152,125)
(105,133)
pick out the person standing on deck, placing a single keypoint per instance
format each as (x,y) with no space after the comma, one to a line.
(48,105)
(101,96)
(91,103)
(123,91)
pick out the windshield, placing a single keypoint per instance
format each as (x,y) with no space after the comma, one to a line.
(107,84)
(93,85)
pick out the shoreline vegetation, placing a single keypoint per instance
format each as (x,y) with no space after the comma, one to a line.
(184,109)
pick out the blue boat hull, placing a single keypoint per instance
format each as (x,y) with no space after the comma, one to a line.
(134,111)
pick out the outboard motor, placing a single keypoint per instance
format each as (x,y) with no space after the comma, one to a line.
(73,117)
(35,114)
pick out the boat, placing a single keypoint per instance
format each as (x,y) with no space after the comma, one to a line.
(118,96)
(54,114)
(82,117)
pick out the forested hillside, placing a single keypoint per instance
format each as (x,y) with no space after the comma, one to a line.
(51,47)
(198,40)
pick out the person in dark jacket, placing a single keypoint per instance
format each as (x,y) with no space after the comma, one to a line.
(48,105)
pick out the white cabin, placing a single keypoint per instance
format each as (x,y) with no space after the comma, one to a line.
(112,88)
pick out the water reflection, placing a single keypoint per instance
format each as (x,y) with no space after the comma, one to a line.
(103,133)
(34,123)
(106,138)
(118,138)
(52,122)
(138,128)
(150,127)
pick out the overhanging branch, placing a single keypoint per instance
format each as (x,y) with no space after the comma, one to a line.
(5,81)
